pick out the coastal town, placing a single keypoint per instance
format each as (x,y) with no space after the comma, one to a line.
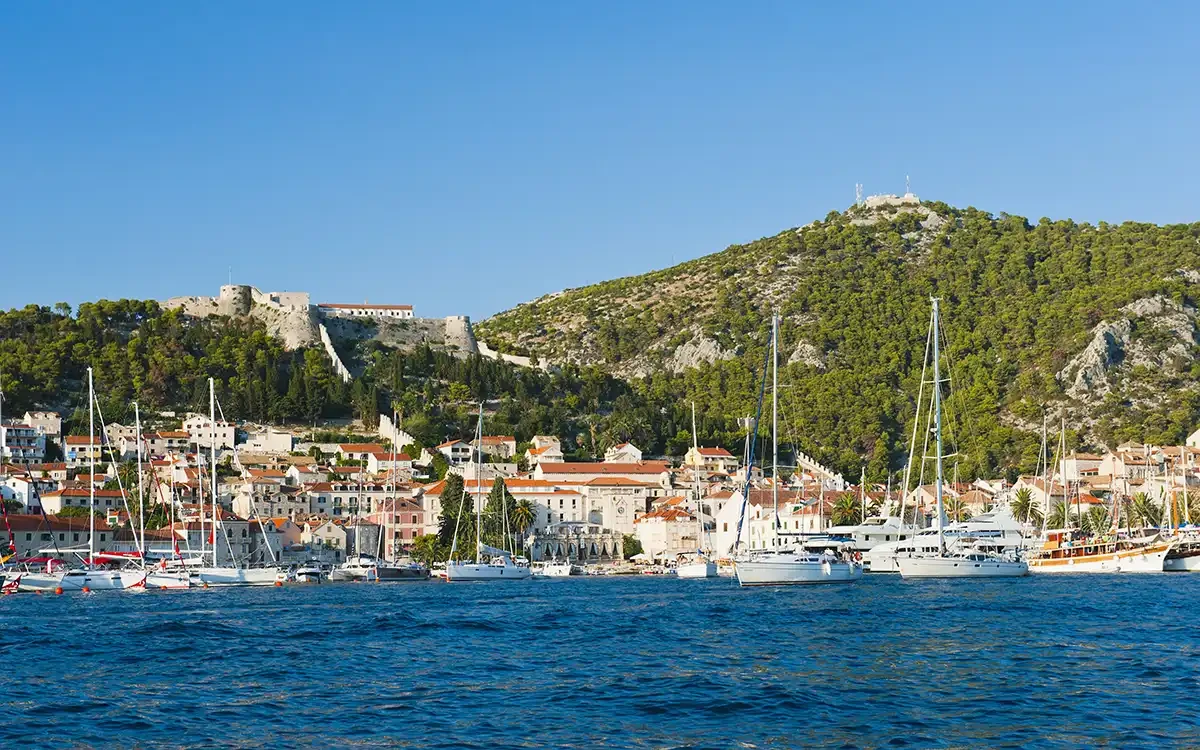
(285,498)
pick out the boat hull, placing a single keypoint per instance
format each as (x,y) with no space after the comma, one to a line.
(953,567)
(239,576)
(1149,559)
(706,569)
(92,580)
(1183,561)
(786,571)
(402,573)
(485,572)
(161,580)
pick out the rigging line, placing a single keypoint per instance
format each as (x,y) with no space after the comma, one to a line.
(753,432)
(120,484)
(237,464)
(912,445)
(972,436)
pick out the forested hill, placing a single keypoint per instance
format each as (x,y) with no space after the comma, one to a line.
(1096,321)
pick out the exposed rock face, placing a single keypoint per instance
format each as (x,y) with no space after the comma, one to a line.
(699,351)
(1116,347)
(806,353)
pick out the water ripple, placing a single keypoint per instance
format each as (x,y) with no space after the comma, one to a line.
(610,663)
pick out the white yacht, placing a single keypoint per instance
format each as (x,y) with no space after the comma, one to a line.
(357,568)
(551,569)
(701,567)
(82,579)
(772,568)
(998,531)
(500,568)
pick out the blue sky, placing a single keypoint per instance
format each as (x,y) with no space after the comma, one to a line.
(464,157)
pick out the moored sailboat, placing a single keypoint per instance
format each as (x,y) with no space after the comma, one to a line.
(784,567)
(499,564)
(953,562)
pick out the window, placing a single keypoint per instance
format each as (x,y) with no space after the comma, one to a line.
(102,537)
(726,526)
(66,501)
(76,539)
(62,537)
(29,537)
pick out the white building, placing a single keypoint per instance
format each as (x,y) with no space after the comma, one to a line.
(455,451)
(269,441)
(365,310)
(21,444)
(625,453)
(715,460)
(79,449)
(667,533)
(535,455)
(498,446)
(199,430)
(49,423)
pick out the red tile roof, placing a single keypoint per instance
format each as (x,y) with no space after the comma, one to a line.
(360,448)
(348,306)
(642,467)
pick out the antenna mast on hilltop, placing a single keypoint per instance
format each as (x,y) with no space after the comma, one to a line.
(907,185)
(858,193)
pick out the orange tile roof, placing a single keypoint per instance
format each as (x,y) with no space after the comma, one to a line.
(360,448)
(642,467)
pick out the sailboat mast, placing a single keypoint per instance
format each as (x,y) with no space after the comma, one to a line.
(91,472)
(862,491)
(775,423)
(137,426)
(1045,474)
(696,482)
(478,473)
(1183,457)
(212,470)
(937,422)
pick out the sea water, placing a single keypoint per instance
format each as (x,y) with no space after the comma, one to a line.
(641,662)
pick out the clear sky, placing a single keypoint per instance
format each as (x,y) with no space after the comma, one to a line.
(464,157)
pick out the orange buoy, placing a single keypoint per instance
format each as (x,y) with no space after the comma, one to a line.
(206,584)
(279,583)
(86,590)
(162,588)
(58,590)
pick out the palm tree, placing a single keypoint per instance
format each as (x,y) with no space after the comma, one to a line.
(956,509)
(846,510)
(1145,511)
(1022,505)
(1097,520)
(523,515)
(1059,517)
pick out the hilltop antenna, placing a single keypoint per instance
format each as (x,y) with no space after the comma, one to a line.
(907,185)
(858,193)
(231,276)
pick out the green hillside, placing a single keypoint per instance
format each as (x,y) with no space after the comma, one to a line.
(1021,302)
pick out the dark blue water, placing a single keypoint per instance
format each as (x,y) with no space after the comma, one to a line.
(610,662)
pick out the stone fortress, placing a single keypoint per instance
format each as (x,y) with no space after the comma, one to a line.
(293,317)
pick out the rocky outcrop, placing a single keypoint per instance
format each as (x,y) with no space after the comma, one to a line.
(1153,332)
(807,354)
(701,350)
